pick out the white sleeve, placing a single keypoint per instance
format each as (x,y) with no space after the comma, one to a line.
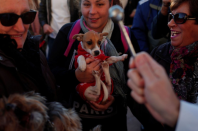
(188,117)
(124,3)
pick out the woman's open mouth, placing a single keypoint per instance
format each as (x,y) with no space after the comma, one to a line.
(174,34)
(93,19)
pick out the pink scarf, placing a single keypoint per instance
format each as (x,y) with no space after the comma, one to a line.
(182,71)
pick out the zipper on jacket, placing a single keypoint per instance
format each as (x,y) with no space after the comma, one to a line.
(72,59)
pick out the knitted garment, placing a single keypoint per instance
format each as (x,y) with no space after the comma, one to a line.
(80,88)
(184,71)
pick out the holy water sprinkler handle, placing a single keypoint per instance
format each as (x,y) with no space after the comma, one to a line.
(117,15)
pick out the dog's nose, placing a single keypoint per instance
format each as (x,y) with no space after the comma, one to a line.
(96,52)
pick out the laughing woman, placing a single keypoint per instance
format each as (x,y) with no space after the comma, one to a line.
(22,67)
(111,115)
(180,56)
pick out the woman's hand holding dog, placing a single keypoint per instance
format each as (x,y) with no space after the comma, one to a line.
(101,107)
(87,76)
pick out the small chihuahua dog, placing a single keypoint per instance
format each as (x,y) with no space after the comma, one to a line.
(29,113)
(90,47)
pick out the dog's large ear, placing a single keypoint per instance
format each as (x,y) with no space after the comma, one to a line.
(79,37)
(103,34)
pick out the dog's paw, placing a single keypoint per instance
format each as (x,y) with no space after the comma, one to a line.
(95,73)
(81,63)
(124,56)
(105,65)
(91,94)
(82,67)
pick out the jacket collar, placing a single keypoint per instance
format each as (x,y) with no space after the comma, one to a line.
(163,52)
(5,60)
(8,61)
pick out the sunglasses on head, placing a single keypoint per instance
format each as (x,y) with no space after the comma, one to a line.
(10,19)
(179,18)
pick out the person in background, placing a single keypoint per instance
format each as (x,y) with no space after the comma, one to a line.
(141,27)
(129,11)
(179,57)
(35,26)
(159,28)
(124,3)
(23,67)
(53,14)
(150,86)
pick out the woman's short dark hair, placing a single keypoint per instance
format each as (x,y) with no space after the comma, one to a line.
(115,2)
(193,6)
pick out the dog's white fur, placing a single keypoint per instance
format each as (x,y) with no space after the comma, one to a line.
(95,90)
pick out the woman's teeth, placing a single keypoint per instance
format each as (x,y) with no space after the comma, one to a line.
(174,33)
(94,19)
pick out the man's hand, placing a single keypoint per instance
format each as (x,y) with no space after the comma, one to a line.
(47,29)
(133,13)
(151,86)
(166,1)
(165,7)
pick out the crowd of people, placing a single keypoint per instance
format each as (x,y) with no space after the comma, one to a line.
(160,89)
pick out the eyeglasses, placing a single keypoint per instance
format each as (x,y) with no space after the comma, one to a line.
(10,19)
(179,18)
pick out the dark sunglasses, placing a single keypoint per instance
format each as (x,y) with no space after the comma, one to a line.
(179,18)
(10,19)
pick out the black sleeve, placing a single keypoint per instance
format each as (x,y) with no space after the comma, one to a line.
(137,49)
(159,27)
(43,13)
(135,43)
(143,115)
(161,55)
(153,52)
(59,63)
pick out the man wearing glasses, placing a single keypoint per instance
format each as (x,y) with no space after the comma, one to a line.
(141,27)
(159,26)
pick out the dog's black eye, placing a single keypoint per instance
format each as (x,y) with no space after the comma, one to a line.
(99,42)
(89,42)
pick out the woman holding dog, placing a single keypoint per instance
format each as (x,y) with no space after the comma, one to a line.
(112,114)
(22,67)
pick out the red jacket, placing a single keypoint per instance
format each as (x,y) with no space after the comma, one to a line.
(83,86)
